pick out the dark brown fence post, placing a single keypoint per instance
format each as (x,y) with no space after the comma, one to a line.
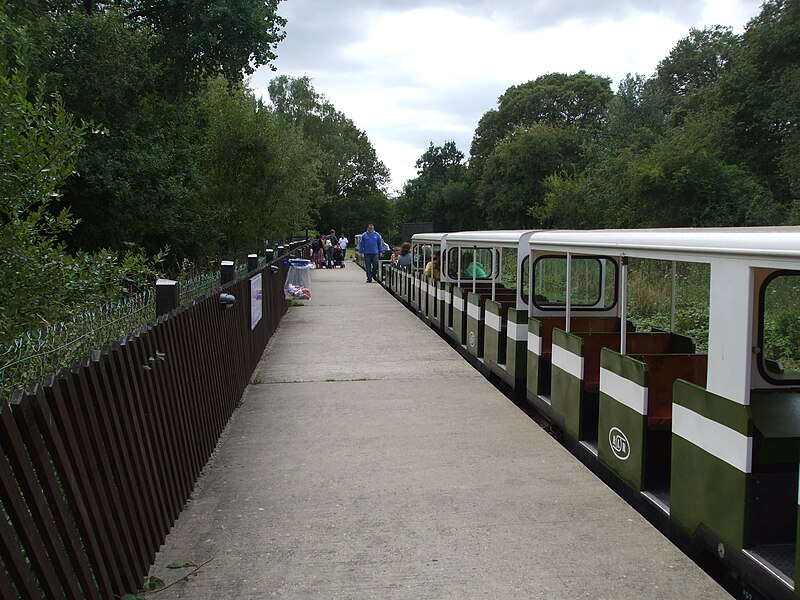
(252,262)
(168,296)
(226,272)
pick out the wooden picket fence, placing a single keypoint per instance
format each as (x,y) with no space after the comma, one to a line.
(98,460)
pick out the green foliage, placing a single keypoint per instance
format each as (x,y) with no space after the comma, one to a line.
(694,64)
(353,178)
(39,144)
(761,91)
(577,101)
(684,180)
(512,191)
(441,193)
(261,173)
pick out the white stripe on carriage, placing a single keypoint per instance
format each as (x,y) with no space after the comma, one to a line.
(474,311)
(518,331)
(567,361)
(624,391)
(494,321)
(534,344)
(715,438)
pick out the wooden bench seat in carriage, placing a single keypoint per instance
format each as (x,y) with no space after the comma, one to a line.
(635,410)
(540,343)
(575,375)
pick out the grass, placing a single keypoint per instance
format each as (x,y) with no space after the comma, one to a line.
(650,293)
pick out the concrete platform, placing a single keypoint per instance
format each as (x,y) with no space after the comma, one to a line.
(369,460)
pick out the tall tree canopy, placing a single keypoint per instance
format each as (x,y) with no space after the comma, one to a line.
(191,39)
(441,193)
(557,99)
(353,178)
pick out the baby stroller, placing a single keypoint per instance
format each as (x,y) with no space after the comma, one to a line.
(338,257)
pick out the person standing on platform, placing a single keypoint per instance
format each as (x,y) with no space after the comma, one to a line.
(343,241)
(370,246)
(330,242)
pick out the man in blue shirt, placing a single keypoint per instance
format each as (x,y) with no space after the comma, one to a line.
(370,246)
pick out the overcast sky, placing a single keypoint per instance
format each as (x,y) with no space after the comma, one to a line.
(412,72)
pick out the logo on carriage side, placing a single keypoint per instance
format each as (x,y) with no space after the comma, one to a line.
(619,443)
(471,339)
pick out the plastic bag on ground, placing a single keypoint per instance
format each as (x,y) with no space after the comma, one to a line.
(298,280)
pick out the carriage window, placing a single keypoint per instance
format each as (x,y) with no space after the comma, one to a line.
(475,262)
(780,329)
(508,268)
(593,282)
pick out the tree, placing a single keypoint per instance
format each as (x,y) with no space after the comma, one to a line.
(513,186)
(39,146)
(537,130)
(577,101)
(683,79)
(635,119)
(440,193)
(261,175)
(140,183)
(685,181)
(761,92)
(351,172)
(192,39)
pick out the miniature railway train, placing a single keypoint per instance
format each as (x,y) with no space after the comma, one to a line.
(705,435)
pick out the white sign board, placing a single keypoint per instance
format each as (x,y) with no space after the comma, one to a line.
(256,300)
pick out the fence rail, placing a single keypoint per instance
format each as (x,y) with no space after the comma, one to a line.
(99,459)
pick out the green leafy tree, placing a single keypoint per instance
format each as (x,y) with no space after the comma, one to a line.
(192,39)
(685,180)
(692,67)
(140,183)
(39,146)
(261,174)
(761,92)
(352,175)
(440,193)
(556,99)
(512,189)
(559,111)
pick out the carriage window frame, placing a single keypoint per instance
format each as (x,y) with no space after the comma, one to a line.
(523,272)
(601,284)
(452,275)
(770,376)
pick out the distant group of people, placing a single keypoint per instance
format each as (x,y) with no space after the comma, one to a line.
(327,250)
